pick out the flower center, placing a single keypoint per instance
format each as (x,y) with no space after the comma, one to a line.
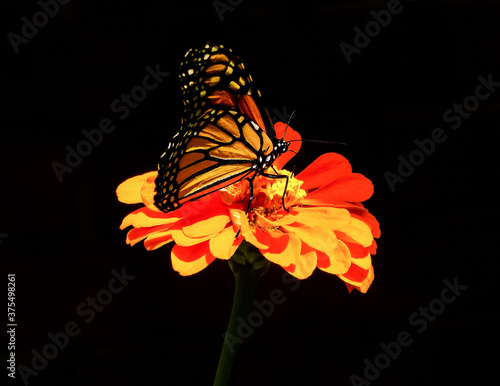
(268,196)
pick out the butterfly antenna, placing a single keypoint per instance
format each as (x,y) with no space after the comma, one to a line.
(269,117)
(288,124)
(318,141)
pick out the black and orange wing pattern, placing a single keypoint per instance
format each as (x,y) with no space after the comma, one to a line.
(213,75)
(222,137)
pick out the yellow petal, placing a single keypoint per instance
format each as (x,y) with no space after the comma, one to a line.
(340,259)
(141,220)
(127,221)
(305,265)
(322,239)
(365,284)
(151,242)
(206,227)
(365,262)
(265,222)
(148,192)
(224,244)
(357,231)
(332,218)
(182,240)
(284,249)
(187,268)
(129,191)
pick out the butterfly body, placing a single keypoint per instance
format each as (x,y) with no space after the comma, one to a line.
(222,139)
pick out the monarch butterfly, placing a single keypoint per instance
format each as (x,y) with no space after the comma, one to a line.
(222,138)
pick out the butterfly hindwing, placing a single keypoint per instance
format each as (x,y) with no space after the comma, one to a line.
(214,75)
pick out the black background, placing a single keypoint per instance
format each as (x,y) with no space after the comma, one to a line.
(63,239)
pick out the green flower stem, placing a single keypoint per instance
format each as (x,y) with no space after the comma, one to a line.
(248,265)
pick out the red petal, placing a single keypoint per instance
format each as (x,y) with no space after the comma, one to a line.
(356,273)
(325,168)
(352,187)
(369,220)
(357,250)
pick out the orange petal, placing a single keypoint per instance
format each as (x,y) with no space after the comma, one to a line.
(358,278)
(323,169)
(373,248)
(284,248)
(357,231)
(142,220)
(137,234)
(148,192)
(265,222)
(353,187)
(158,240)
(190,260)
(336,262)
(331,218)
(129,191)
(365,262)
(209,226)
(369,220)
(322,239)
(357,250)
(130,218)
(322,200)
(258,238)
(254,236)
(223,245)
(305,263)
(182,240)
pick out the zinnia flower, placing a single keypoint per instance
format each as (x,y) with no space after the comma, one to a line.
(323,225)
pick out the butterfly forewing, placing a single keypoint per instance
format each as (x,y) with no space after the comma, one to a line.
(219,149)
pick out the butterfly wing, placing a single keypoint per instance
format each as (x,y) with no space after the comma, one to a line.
(220,149)
(222,132)
(214,76)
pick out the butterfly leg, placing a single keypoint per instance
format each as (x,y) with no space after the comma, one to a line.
(276,176)
(250,183)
